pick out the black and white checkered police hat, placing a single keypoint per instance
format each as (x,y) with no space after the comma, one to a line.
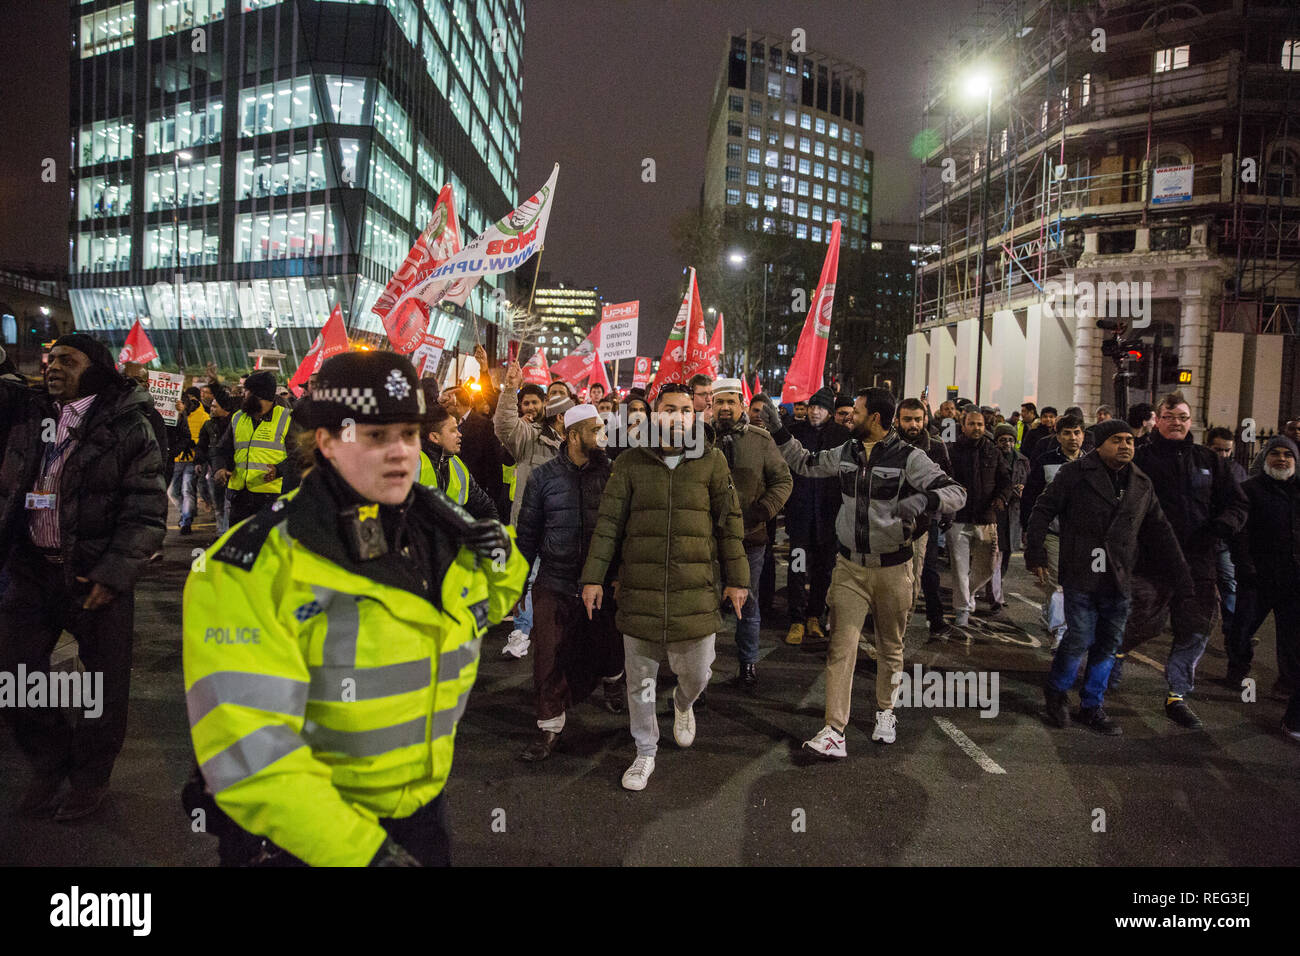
(378,388)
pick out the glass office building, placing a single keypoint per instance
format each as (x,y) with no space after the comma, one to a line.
(264,160)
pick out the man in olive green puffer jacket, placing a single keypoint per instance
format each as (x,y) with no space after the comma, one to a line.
(670,523)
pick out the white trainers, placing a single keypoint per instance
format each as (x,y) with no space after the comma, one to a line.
(516,644)
(636,776)
(886,724)
(827,743)
(683,725)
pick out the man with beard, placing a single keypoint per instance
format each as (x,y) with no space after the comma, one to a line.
(810,522)
(973,541)
(257,457)
(885,484)
(1204,504)
(843,410)
(82,507)
(1268,571)
(1004,436)
(556,521)
(670,523)
(925,543)
(763,484)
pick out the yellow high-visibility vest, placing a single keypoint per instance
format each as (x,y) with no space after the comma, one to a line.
(508,476)
(256,449)
(457,478)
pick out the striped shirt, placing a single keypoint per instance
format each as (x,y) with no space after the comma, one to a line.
(43,523)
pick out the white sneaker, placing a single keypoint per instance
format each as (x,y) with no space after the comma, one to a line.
(827,743)
(636,776)
(683,725)
(886,723)
(516,644)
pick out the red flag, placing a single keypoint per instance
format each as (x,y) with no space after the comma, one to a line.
(576,366)
(598,375)
(715,348)
(402,311)
(690,316)
(758,386)
(137,347)
(744,391)
(807,368)
(330,340)
(536,372)
(641,372)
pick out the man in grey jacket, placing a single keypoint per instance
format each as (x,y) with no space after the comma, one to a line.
(886,484)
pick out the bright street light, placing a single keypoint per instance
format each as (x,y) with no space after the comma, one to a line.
(978,84)
(736,258)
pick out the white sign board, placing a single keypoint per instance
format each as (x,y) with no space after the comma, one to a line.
(165,387)
(1171,184)
(618,331)
(427,355)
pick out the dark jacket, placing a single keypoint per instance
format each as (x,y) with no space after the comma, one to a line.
(1267,550)
(762,478)
(983,471)
(1092,515)
(557,517)
(481,451)
(675,537)
(161,433)
(1050,442)
(1198,494)
(477,503)
(1041,473)
(1032,436)
(814,502)
(937,451)
(1009,521)
(112,498)
(210,435)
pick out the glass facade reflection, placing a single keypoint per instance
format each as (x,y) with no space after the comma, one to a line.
(213,154)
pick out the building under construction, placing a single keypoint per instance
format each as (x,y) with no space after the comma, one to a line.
(1134,161)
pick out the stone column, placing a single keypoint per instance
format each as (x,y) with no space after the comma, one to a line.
(1087,359)
(1193,343)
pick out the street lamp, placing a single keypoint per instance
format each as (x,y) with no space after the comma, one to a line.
(176,223)
(981,83)
(738,259)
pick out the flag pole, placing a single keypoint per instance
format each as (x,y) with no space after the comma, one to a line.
(536,272)
(615,376)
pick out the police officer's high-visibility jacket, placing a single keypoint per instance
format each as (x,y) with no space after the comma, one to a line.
(508,477)
(457,478)
(256,449)
(324,692)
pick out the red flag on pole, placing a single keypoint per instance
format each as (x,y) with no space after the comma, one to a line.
(137,347)
(744,391)
(576,366)
(404,313)
(536,371)
(758,386)
(690,316)
(641,372)
(598,375)
(330,340)
(807,369)
(715,348)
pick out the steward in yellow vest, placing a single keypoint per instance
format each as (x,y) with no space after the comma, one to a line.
(331,641)
(257,455)
(441,467)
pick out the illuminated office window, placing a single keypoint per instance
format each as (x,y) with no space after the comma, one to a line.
(191,126)
(107,30)
(199,183)
(281,171)
(168,16)
(287,104)
(261,237)
(106,141)
(102,196)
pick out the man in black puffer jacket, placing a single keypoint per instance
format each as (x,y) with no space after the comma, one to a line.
(556,519)
(982,470)
(82,507)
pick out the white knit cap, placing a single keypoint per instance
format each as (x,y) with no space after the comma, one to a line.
(727,385)
(580,413)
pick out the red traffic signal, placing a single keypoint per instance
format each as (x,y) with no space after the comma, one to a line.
(1135,355)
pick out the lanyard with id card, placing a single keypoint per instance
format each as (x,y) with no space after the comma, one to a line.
(42,499)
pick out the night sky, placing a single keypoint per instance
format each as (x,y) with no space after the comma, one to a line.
(605,86)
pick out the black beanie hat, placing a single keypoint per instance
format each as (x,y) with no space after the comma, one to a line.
(262,384)
(1112,426)
(378,388)
(825,398)
(841,401)
(102,373)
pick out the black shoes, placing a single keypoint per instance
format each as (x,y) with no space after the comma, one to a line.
(81,803)
(541,748)
(1178,711)
(748,678)
(1058,709)
(185,529)
(1235,675)
(1094,718)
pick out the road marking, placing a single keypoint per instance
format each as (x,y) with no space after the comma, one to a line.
(1020,597)
(1146,660)
(968,746)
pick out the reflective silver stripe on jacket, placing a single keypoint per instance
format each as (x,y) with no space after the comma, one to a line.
(342,626)
(364,743)
(444,721)
(250,755)
(368,683)
(279,695)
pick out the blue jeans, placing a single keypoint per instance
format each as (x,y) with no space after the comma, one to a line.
(1227,580)
(524,610)
(750,617)
(1095,629)
(181,491)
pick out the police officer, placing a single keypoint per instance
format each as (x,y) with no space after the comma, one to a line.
(441,466)
(254,456)
(331,641)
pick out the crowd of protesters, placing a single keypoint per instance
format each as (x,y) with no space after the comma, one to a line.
(652,527)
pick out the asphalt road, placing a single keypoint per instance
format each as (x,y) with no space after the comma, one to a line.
(955,790)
